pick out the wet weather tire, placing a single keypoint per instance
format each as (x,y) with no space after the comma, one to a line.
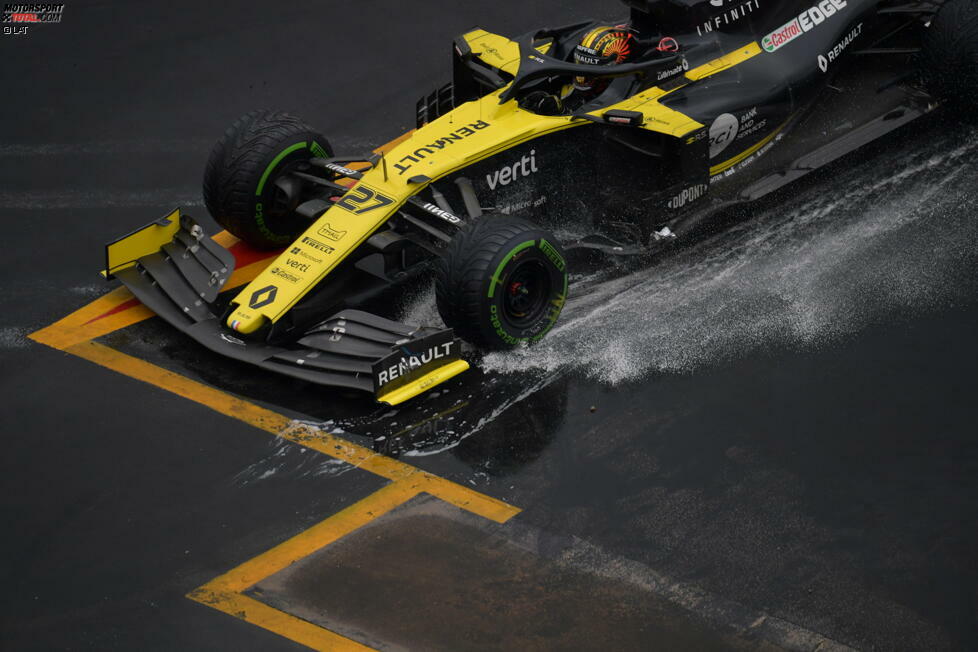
(501,283)
(950,54)
(239,180)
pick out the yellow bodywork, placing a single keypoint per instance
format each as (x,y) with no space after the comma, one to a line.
(735,58)
(422,384)
(470,133)
(498,51)
(495,50)
(125,251)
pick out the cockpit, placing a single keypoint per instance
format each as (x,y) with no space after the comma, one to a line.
(562,71)
(587,66)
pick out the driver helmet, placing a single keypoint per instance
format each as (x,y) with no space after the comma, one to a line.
(603,46)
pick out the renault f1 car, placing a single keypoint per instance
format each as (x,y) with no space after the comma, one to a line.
(725,101)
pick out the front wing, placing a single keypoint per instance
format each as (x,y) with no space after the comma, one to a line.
(174,269)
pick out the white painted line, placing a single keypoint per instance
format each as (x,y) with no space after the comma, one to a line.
(106,147)
(13,338)
(80,199)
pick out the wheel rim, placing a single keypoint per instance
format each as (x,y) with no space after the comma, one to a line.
(280,203)
(527,290)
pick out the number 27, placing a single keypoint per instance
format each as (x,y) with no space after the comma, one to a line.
(359,200)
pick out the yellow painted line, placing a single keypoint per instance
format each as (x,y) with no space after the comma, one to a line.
(181,386)
(465,498)
(315,538)
(281,426)
(69,330)
(260,614)
(75,333)
(75,328)
(223,593)
(79,327)
(225,239)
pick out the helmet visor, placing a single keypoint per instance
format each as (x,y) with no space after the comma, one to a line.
(587,56)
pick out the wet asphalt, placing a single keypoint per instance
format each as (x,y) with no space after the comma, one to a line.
(832,485)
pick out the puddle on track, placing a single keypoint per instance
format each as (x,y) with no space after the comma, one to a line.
(892,234)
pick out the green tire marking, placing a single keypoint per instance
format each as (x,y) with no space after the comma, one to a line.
(495,277)
(553,316)
(551,253)
(318,150)
(276,161)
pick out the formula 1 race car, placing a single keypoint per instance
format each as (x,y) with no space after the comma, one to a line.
(703,104)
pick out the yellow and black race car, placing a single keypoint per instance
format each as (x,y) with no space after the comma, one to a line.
(639,131)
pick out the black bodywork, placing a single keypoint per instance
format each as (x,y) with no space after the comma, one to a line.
(627,190)
(850,79)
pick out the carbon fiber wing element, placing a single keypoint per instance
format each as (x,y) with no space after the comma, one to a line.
(350,350)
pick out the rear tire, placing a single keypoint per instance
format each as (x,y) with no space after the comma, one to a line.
(501,283)
(950,54)
(239,180)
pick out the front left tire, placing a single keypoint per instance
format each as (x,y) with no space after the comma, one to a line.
(240,189)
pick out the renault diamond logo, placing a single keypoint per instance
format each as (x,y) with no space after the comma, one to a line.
(263,297)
